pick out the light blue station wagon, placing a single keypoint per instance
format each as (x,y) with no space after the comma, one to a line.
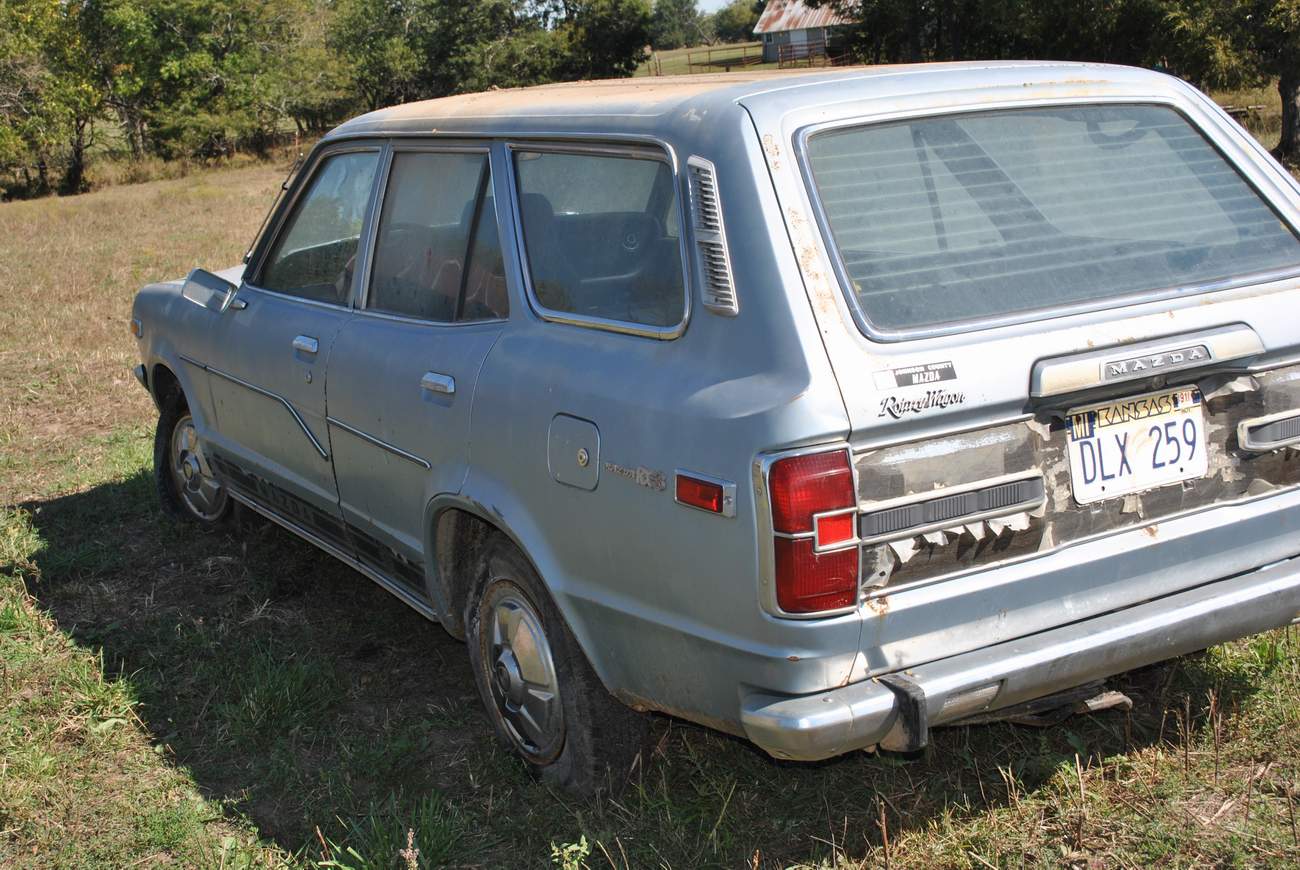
(821,409)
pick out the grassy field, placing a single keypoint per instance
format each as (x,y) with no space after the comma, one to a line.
(682,61)
(173,698)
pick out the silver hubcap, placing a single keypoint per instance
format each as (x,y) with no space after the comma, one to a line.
(202,495)
(522,674)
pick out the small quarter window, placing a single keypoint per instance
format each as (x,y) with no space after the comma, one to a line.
(601,237)
(437,252)
(315,254)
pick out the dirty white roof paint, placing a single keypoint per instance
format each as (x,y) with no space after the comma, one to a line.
(613,103)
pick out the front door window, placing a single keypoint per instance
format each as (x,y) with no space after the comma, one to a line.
(315,254)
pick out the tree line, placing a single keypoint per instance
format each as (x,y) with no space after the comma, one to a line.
(201,79)
(1215,44)
(204,78)
(680,23)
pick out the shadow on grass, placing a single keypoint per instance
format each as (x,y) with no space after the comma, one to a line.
(317,706)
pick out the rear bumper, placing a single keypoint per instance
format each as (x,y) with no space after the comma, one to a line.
(813,727)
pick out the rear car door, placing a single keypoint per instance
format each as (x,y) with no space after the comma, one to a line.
(270,349)
(403,369)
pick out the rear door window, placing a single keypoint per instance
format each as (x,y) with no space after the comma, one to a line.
(600,232)
(437,253)
(958,218)
(314,256)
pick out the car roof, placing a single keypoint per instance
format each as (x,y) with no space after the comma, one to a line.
(609,105)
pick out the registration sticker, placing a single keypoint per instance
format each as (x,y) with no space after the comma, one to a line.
(1136,444)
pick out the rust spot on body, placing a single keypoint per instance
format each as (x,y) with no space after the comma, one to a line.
(878,606)
(1152,531)
(773,150)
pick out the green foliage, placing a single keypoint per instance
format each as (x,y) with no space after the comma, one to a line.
(605,38)
(674,24)
(203,79)
(571,856)
(1213,43)
(50,95)
(206,78)
(735,21)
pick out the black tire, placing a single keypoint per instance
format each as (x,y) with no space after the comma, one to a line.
(597,742)
(180,500)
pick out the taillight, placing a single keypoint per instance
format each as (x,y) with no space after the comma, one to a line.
(814,517)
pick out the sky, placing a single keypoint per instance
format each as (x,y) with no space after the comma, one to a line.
(712,5)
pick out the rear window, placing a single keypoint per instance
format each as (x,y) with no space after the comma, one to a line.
(965,217)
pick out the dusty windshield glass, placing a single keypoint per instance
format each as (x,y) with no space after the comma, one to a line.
(963,217)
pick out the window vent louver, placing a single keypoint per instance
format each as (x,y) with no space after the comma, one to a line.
(718,289)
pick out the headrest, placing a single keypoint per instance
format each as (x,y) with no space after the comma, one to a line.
(536,208)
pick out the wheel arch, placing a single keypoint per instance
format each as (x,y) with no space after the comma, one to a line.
(456,529)
(163,384)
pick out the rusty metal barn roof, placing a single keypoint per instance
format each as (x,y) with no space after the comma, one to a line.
(782,15)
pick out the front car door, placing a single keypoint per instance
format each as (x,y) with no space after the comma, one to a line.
(270,350)
(403,369)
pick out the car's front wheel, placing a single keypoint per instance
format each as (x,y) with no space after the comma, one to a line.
(545,701)
(185,489)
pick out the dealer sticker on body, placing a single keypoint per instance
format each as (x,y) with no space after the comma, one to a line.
(1136,444)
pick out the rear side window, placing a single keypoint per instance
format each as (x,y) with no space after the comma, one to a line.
(315,253)
(963,217)
(601,236)
(437,255)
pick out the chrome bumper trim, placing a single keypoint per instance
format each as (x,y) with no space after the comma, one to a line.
(813,727)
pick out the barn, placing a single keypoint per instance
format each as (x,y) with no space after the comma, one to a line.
(793,31)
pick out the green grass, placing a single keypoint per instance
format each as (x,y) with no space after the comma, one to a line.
(175,698)
(186,693)
(703,59)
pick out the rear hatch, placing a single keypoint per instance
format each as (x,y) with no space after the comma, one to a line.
(1062,305)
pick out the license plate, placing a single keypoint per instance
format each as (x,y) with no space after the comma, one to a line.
(1136,444)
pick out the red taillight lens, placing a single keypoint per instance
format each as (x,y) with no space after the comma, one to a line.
(702,494)
(805,485)
(801,487)
(807,582)
(837,529)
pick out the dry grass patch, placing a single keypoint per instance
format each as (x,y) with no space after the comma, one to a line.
(72,266)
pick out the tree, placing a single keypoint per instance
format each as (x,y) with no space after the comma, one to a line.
(1275,31)
(373,38)
(674,23)
(1228,43)
(605,38)
(51,96)
(28,129)
(735,21)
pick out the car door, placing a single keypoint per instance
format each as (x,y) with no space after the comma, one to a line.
(403,368)
(270,350)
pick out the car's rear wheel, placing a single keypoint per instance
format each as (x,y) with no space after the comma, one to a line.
(185,489)
(545,701)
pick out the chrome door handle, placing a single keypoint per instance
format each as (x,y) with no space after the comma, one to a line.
(433,382)
(306,344)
